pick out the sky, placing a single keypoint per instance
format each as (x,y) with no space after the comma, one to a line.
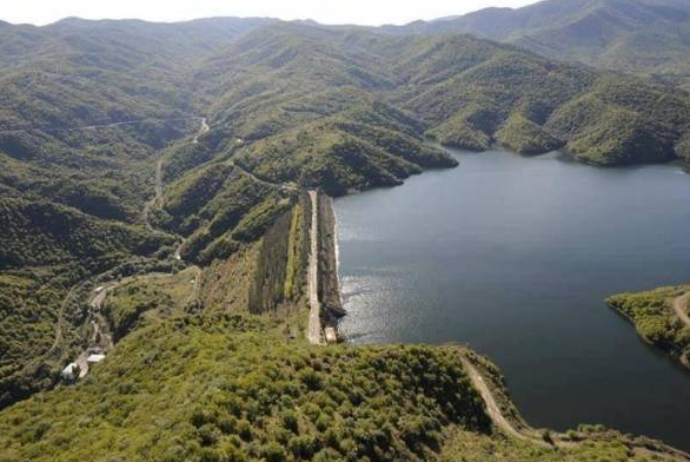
(363,12)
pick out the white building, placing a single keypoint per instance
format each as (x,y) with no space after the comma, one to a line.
(69,373)
(95,358)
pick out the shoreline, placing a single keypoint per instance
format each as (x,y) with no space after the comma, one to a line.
(329,281)
(336,247)
(672,352)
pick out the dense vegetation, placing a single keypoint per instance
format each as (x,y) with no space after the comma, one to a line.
(653,316)
(466,92)
(232,387)
(646,37)
(254,395)
(475,447)
(60,236)
(148,299)
(220,207)
(210,364)
(46,249)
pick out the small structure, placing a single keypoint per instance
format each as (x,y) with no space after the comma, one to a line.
(331,335)
(70,373)
(95,358)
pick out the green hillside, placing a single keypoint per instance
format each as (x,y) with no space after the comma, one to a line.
(46,250)
(289,105)
(644,37)
(463,91)
(153,195)
(233,388)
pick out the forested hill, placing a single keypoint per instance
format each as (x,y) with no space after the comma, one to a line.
(466,92)
(90,110)
(647,37)
(261,78)
(153,186)
(93,112)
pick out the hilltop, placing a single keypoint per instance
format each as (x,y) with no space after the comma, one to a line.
(645,37)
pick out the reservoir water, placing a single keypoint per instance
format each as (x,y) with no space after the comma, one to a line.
(514,256)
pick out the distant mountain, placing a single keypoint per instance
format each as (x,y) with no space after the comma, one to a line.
(650,37)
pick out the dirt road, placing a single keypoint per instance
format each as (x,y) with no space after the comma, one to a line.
(285,187)
(493,409)
(98,125)
(656,450)
(314,330)
(158,188)
(680,306)
(203,129)
(158,184)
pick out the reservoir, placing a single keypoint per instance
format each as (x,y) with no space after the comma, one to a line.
(514,257)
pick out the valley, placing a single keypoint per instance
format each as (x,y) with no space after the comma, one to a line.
(176,268)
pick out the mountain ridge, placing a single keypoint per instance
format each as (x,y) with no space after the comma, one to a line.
(220,141)
(606,34)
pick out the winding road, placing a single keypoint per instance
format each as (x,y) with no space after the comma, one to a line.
(100,338)
(285,187)
(494,410)
(654,450)
(103,341)
(158,185)
(97,126)
(204,129)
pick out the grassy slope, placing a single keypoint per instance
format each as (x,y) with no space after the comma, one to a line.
(147,300)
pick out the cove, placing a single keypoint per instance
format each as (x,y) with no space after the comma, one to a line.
(514,257)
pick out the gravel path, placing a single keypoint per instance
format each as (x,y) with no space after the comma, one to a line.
(314,331)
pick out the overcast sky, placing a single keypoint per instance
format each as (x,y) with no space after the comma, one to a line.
(365,12)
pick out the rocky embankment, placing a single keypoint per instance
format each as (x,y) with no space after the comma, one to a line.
(329,289)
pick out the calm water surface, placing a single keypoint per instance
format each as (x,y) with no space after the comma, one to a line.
(514,257)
